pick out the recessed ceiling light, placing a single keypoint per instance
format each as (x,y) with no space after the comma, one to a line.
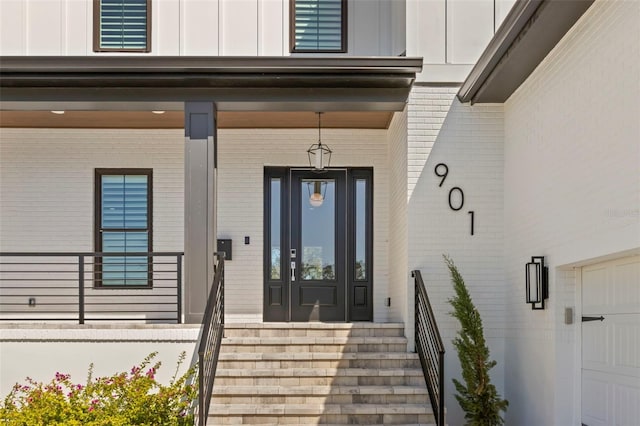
(58,112)
(158,112)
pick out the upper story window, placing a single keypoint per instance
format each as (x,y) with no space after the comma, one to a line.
(319,26)
(122,25)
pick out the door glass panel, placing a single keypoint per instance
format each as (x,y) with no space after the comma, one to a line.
(361,230)
(276,268)
(318,229)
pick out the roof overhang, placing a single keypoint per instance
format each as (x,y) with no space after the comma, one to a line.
(529,32)
(233,83)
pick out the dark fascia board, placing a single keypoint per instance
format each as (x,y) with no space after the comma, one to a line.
(384,82)
(529,32)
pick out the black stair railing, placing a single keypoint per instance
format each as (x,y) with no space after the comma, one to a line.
(430,348)
(210,341)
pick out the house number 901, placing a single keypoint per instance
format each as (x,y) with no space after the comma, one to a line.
(456,195)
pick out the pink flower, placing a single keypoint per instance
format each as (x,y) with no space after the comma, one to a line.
(151,373)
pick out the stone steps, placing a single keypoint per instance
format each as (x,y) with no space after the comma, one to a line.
(318,373)
(319,360)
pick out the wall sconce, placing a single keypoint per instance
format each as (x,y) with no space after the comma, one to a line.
(537,282)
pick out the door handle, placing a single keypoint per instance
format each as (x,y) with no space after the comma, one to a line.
(293,271)
(587,319)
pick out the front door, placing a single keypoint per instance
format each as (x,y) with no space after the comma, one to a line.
(318,245)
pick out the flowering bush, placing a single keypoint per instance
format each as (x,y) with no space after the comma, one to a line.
(128,398)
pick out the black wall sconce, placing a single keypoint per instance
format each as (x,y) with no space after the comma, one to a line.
(537,279)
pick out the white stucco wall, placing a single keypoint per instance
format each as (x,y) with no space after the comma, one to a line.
(572,194)
(194,27)
(469,140)
(39,351)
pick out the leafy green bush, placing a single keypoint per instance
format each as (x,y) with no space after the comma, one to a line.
(133,398)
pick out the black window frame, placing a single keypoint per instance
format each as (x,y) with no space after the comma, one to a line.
(97,282)
(96,32)
(292,31)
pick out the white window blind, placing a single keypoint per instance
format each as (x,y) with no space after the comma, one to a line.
(123,24)
(318,25)
(124,228)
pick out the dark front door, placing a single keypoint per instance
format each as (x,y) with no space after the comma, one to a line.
(318,246)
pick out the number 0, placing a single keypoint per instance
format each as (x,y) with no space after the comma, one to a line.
(459,190)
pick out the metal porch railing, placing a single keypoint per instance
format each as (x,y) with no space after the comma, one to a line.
(70,286)
(210,341)
(430,348)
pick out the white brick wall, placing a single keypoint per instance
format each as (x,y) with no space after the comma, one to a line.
(398,252)
(572,194)
(46,192)
(47,184)
(242,157)
(469,139)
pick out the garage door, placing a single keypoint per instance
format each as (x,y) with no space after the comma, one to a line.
(611,347)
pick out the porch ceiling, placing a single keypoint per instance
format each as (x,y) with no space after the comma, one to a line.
(175,119)
(233,83)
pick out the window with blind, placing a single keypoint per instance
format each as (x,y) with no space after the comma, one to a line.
(123,225)
(318,26)
(122,25)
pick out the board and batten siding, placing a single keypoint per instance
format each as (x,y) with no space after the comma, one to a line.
(47,186)
(572,194)
(194,27)
(451,34)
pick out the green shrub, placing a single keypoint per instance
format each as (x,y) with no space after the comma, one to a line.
(133,398)
(478,397)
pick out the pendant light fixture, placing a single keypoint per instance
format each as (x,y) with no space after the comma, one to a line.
(317,189)
(319,154)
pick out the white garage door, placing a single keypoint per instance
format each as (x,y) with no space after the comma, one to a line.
(611,347)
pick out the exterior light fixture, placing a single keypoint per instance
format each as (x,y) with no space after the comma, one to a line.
(57,112)
(319,154)
(537,282)
(316,195)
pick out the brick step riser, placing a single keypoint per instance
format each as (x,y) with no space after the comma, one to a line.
(321,381)
(345,419)
(313,348)
(321,399)
(347,363)
(362,332)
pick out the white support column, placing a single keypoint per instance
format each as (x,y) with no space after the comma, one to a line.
(199,206)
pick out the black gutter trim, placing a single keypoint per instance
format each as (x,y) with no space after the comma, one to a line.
(519,47)
(511,27)
(235,83)
(186,64)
